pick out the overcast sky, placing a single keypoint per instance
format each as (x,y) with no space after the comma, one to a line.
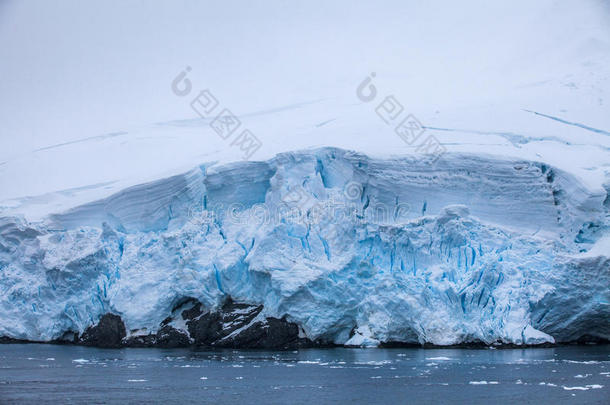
(74,69)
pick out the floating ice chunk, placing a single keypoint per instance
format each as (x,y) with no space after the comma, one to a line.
(585,388)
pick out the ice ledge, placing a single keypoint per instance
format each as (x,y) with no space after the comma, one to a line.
(470,248)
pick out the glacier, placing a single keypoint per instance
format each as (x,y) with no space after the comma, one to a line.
(355,250)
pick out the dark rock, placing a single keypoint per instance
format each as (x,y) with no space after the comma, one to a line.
(141,341)
(171,337)
(233,325)
(271,333)
(6,339)
(68,337)
(237,325)
(109,332)
(590,339)
(193,312)
(208,328)
(167,337)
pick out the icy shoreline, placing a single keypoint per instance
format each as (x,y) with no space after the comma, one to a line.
(353,250)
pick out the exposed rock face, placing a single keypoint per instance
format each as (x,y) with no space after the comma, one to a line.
(109,332)
(233,325)
(166,337)
(242,326)
(272,333)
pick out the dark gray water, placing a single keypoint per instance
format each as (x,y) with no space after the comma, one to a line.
(71,374)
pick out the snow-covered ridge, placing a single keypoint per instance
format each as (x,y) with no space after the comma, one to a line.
(353,249)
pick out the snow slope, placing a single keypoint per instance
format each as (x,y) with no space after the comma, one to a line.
(477,75)
(504,237)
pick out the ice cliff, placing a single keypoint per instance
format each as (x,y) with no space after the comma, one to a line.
(354,250)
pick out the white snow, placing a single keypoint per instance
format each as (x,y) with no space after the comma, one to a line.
(463,70)
(504,238)
(453,264)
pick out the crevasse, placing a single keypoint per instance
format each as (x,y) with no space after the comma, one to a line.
(355,250)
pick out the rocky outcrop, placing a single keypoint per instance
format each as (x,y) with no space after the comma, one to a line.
(166,337)
(242,326)
(109,332)
(233,325)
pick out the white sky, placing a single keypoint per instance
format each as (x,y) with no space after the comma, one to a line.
(71,69)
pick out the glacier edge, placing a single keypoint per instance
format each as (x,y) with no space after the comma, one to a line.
(354,250)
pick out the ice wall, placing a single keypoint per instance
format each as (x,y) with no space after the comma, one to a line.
(355,250)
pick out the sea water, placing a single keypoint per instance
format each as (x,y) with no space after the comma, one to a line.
(35,373)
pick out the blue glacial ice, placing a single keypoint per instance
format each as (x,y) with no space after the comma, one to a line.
(355,250)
